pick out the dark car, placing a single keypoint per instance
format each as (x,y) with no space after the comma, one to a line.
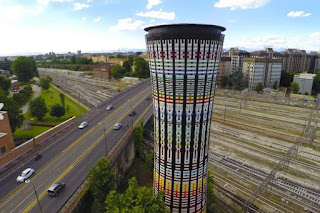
(132,113)
(56,188)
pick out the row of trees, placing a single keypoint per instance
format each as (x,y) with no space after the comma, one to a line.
(141,68)
(39,109)
(103,197)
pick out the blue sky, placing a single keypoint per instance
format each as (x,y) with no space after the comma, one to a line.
(41,26)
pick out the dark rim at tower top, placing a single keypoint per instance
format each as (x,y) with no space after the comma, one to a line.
(185,25)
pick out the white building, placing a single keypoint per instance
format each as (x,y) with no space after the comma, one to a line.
(262,70)
(305,81)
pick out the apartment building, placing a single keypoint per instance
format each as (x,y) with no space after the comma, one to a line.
(262,70)
(237,57)
(224,68)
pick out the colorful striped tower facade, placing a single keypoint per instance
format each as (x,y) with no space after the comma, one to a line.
(183,62)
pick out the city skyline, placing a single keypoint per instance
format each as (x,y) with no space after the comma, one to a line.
(41,26)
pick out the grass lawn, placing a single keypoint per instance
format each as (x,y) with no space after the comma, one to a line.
(51,97)
(30,133)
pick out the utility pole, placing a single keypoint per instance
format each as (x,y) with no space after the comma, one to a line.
(35,192)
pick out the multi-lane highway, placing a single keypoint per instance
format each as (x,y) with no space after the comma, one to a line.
(69,159)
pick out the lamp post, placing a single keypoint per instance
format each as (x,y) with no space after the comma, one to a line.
(35,191)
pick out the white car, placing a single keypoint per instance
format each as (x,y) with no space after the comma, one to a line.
(83,125)
(117,126)
(110,107)
(25,175)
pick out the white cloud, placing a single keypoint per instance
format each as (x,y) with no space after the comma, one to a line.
(128,24)
(298,14)
(88,1)
(152,3)
(45,2)
(315,35)
(158,14)
(96,20)
(84,18)
(80,6)
(241,4)
(306,42)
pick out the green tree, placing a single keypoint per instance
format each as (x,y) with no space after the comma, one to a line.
(62,99)
(211,197)
(316,83)
(23,96)
(73,59)
(141,68)
(57,111)
(286,79)
(237,79)
(38,108)
(5,65)
(45,82)
(295,87)
(102,179)
(130,60)
(135,199)
(138,138)
(25,68)
(5,84)
(117,71)
(224,81)
(127,66)
(14,113)
(259,87)
(275,85)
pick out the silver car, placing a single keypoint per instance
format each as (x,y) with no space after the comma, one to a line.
(110,107)
(83,125)
(25,175)
(117,126)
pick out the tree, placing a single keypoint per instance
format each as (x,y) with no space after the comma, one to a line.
(127,66)
(224,81)
(141,68)
(57,111)
(316,83)
(117,71)
(62,97)
(295,87)
(5,65)
(237,79)
(5,84)
(275,85)
(286,79)
(73,59)
(136,199)
(259,87)
(45,82)
(25,68)
(130,60)
(211,197)
(38,108)
(14,113)
(23,96)
(102,179)
(138,138)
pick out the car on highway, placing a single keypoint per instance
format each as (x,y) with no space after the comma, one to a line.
(25,175)
(110,107)
(117,126)
(132,113)
(56,188)
(83,125)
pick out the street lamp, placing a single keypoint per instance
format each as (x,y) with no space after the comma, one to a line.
(35,191)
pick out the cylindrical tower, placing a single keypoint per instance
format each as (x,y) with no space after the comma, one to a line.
(183,62)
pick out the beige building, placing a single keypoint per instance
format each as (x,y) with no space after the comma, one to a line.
(6,139)
(294,61)
(264,70)
(237,57)
(224,68)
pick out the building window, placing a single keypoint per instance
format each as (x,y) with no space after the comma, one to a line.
(3,149)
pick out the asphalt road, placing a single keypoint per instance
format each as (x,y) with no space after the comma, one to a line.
(71,157)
